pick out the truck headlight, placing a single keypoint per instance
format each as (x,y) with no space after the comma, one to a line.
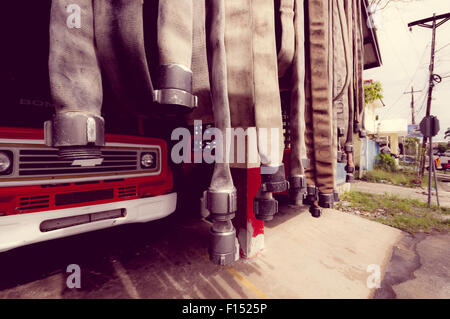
(5,163)
(148,160)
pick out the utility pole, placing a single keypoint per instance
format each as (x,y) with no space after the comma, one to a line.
(413,120)
(436,21)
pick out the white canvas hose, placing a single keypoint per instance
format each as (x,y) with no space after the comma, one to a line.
(175,27)
(119,30)
(77,128)
(221,195)
(297,178)
(287,41)
(268,117)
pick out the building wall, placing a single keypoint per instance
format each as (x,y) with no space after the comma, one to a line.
(369,151)
(370,122)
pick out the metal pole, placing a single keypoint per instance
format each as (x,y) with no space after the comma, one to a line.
(435,183)
(431,81)
(430,160)
(430,89)
(413,120)
(423,23)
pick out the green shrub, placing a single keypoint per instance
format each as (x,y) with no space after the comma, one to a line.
(386,162)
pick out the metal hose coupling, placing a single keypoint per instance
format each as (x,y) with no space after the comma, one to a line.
(222,206)
(315,211)
(297,190)
(312,195)
(222,249)
(327,200)
(349,168)
(341,157)
(273,180)
(77,135)
(362,133)
(175,88)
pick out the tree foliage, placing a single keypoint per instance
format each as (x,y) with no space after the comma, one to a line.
(372,92)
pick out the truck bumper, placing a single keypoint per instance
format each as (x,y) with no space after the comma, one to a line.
(25,229)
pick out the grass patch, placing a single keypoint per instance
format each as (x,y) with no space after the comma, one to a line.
(401,178)
(410,215)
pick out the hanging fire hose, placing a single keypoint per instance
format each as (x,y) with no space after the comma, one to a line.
(298,158)
(77,128)
(236,70)
(350,167)
(341,65)
(174,85)
(320,178)
(221,198)
(120,46)
(359,67)
(268,118)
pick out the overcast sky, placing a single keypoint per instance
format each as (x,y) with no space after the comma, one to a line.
(406,56)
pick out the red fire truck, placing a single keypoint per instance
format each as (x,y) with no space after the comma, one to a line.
(43,198)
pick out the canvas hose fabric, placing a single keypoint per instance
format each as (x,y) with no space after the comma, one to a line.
(341,75)
(268,115)
(119,33)
(219,92)
(297,108)
(238,44)
(221,195)
(174,29)
(75,80)
(199,63)
(350,167)
(287,41)
(359,65)
(320,104)
(310,171)
(73,89)
(267,101)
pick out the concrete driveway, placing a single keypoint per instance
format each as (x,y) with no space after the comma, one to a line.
(329,257)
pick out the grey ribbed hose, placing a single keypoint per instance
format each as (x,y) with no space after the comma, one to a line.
(221,179)
(344,30)
(119,30)
(297,109)
(351,98)
(75,76)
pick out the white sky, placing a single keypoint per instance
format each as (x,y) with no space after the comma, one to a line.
(406,56)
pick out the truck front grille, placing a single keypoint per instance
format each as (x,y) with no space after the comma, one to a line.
(38,162)
(33,202)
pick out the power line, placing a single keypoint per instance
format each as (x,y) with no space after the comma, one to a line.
(411,81)
(442,47)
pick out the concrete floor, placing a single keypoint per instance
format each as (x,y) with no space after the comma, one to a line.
(304,258)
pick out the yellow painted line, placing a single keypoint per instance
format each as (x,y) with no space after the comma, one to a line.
(125,279)
(241,278)
(236,274)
